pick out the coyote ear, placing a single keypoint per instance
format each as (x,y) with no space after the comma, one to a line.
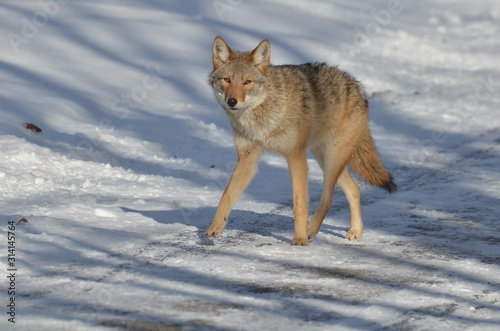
(220,52)
(261,56)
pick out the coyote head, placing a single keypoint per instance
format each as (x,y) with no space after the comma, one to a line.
(238,79)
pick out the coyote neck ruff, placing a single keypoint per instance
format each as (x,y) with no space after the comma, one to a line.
(288,109)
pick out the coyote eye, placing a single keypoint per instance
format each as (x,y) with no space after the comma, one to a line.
(226,79)
(248,81)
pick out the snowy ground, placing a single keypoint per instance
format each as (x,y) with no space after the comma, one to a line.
(134,154)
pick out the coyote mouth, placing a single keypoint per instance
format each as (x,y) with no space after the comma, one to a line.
(233,109)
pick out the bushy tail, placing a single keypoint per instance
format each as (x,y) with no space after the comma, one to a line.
(367,164)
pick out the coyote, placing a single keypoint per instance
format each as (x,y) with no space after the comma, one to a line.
(287,109)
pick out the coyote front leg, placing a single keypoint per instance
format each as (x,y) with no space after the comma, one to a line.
(297,165)
(245,170)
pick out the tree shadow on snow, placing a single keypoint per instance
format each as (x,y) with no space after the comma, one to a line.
(97,298)
(240,222)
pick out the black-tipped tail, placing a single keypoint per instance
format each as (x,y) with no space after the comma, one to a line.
(390,186)
(367,164)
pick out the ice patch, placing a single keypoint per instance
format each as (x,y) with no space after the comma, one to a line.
(104,213)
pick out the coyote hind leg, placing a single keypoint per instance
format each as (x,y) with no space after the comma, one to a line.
(351,191)
(333,162)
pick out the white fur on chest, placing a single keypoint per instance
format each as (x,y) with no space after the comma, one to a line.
(266,132)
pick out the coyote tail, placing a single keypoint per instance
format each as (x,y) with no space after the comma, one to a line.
(367,164)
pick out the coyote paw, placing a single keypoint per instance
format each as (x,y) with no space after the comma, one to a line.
(213,232)
(300,242)
(354,234)
(312,231)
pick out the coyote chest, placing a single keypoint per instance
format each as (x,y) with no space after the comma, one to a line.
(268,127)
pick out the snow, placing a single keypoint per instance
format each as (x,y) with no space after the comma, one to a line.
(124,179)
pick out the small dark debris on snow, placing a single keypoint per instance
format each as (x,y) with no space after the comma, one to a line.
(32,127)
(22,220)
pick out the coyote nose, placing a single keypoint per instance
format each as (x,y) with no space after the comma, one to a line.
(232,102)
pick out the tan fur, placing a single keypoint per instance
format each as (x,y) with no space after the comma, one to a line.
(288,109)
